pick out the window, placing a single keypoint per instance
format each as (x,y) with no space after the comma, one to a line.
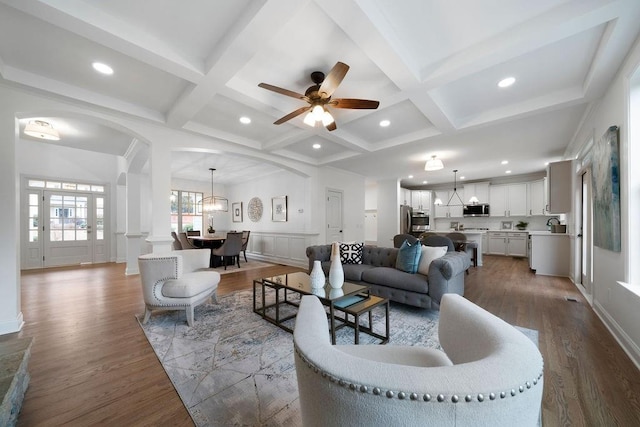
(186,211)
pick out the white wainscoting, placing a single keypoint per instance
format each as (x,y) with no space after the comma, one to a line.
(281,248)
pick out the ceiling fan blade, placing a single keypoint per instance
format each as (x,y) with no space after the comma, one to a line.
(358,104)
(331,126)
(282,91)
(291,115)
(333,79)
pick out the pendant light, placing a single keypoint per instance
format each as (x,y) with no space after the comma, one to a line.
(214,203)
(438,201)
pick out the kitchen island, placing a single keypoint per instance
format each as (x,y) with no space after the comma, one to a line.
(550,253)
(472,236)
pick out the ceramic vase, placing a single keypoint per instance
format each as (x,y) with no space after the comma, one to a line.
(317,275)
(336,273)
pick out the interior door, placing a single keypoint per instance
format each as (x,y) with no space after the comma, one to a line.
(67,228)
(585,234)
(334,216)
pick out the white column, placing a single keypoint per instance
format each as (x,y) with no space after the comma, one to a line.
(160,177)
(388,211)
(10,314)
(133,234)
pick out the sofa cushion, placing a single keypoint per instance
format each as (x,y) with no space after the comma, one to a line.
(190,284)
(429,253)
(351,253)
(353,272)
(408,257)
(391,277)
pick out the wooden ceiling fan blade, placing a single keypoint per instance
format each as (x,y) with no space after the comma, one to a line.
(282,91)
(358,104)
(331,126)
(333,79)
(291,115)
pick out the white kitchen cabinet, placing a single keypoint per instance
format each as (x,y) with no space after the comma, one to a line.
(405,196)
(421,200)
(508,199)
(477,189)
(485,243)
(559,175)
(550,253)
(538,197)
(511,243)
(443,211)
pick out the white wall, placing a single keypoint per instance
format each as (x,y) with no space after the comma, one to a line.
(388,211)
(618,305)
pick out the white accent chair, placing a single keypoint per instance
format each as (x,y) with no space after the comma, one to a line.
(178,280)
(490,374)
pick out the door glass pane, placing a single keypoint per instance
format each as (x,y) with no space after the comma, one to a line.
(99,218)
(36,183)
(34,210)
(68,186)
(51,184)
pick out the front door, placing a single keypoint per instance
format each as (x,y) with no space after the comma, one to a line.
(67,228)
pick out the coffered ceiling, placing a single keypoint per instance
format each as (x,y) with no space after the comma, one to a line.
(434,66)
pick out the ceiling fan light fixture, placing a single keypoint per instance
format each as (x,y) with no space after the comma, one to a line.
(318,112)
(327,118)
(433,164)
(41,129)
(309,120)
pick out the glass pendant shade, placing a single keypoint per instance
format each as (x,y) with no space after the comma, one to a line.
(214,203)
(309,120)
(433,164)
(42,130)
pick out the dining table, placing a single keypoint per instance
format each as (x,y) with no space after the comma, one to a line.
(211,242)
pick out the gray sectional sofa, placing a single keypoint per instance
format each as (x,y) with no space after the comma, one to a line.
(446,274)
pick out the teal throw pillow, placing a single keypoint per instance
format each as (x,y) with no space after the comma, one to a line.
(408,258)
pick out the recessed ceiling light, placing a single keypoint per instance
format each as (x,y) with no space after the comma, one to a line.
(546,163)
(424,182)
(462,177)
(385,123)
(410,176)
(317,146)
(504,162)
(507,171)
(245,120)
(102,68)
(506,82)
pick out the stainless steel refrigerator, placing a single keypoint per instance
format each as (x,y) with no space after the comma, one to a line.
(405,219)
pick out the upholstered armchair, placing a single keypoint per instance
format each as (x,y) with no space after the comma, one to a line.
(178,280)
(489,374)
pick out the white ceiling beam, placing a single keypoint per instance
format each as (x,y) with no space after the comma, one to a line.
(248,36)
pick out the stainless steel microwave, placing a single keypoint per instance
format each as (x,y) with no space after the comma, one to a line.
(480,209)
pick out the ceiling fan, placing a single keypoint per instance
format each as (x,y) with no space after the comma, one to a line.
(319,98)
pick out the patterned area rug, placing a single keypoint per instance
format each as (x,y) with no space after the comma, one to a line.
(234,368)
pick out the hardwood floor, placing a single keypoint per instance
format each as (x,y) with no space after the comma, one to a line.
(91,363)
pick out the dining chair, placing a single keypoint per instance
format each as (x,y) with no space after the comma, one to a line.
(177,246)
(193,233)
(186,243)
(231,248)
(463,245)
(245,242)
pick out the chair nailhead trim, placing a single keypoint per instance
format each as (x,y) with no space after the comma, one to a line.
(377,391)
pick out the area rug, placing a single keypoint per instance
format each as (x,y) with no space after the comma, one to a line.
(249,265)
(234,368)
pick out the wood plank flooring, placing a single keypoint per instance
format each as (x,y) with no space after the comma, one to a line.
(91,363)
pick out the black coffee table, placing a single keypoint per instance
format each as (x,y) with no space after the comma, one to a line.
(300,284)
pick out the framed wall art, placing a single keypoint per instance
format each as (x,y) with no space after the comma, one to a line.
(605,177)
(506,225)
(279,208)
(236,212)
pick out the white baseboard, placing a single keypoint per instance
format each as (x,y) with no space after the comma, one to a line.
(12,326)
(627,344)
